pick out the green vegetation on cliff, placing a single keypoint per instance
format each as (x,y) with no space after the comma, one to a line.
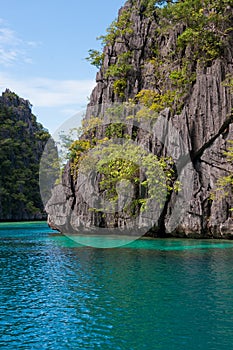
(224,184)
(170,63)
(195,33)
(203,28)
(22,140)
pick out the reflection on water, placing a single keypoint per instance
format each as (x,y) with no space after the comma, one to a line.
(151,294)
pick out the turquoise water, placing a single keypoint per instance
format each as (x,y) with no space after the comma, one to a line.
(151,294)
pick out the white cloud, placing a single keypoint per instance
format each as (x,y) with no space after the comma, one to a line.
(12,47)
(8,37)
(7,56)
(44,92)
(33,43)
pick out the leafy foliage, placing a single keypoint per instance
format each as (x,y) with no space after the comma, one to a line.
(156,101)
(95,58)
(77,152)
(224,185)
(152,178)
(119,29)
(115,130)
(206,22)
(119,87)
(120,70)
(149,176)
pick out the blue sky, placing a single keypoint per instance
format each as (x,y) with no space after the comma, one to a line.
(43,45)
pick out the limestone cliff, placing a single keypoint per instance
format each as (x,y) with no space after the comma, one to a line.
(183,75)
(22,141)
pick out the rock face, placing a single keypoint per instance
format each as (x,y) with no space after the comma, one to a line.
(22,141)
(203,123)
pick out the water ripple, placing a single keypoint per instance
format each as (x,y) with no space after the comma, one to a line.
(55,295)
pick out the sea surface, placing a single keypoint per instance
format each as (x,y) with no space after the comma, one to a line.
(150,294)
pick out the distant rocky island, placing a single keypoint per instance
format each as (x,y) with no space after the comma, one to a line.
(22,140)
